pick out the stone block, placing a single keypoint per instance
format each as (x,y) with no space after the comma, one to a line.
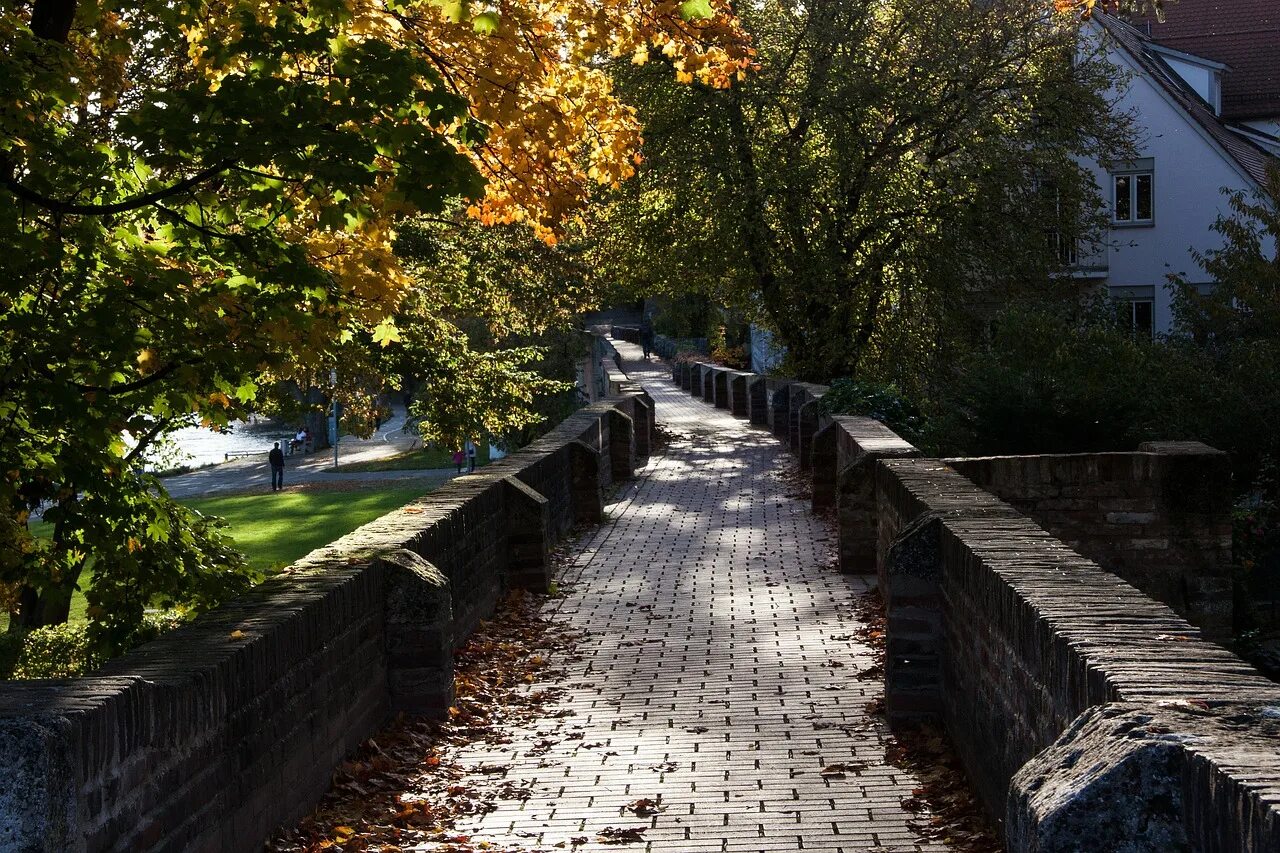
(758,400)
(584,472)
(720,388)
(912,589)
(811,418)
(622,446)
(418,617)
(780,411)
(529,536)
(739,400)
(38,809)
(824,460)
(1150,779)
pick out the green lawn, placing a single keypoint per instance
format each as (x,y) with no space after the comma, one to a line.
(415,460)
(273,530)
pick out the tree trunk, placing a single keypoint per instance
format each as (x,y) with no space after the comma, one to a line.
(50,606)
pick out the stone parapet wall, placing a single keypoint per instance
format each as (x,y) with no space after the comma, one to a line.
(217,733)
(1088,714)
(843,456)
(1005,634)
(1159,518)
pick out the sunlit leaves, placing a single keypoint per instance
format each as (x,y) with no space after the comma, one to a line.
(198,207)
(696,10)
(1086,8)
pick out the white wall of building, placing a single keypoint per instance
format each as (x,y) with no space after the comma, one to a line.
(1190,173)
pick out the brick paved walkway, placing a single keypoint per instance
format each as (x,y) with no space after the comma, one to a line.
(717,674)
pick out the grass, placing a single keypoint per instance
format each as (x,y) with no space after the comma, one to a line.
(273,530)
(426,458)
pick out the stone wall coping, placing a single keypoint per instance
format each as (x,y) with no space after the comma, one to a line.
(1143,650)
(1180,775)
(873,436)
(1147,449)
(1180,448)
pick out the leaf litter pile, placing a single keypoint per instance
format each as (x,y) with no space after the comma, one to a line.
(401,789)
(944,806)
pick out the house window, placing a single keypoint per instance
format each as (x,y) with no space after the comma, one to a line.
(1133,197)
(1061,245)
(1141,317)
(1064,247)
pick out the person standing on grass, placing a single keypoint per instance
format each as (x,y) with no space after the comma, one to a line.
(276,458)
(471,456)
(458,458)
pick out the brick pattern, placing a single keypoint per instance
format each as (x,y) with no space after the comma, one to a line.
(720,640)
(844,453)
(1032,634)
(1159,518)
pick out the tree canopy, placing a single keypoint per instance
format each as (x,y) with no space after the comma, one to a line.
(892,165)
(200,199)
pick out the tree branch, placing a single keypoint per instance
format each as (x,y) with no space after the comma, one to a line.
(149,379)
(71,208)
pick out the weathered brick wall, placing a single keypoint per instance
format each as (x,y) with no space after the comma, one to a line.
(201,740)
(844,452)
(1159,518)
(1007,635)
(215,734)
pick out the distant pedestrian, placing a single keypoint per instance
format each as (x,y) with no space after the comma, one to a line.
(646,338)
(471,457)
(276,458)
(458,458)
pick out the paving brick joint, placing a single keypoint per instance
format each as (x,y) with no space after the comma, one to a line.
(716,675)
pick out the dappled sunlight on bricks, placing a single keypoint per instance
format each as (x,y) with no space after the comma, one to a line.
(717,674)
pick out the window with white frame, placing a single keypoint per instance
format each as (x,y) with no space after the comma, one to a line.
(1141,316)
(1133,194)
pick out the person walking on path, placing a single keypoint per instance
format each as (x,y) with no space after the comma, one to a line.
(458,458)
(276,458)
(471,456)
(646,338)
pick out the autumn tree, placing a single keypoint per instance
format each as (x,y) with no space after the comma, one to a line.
(893,164)
(198,199)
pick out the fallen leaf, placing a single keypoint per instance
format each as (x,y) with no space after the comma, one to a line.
(620,835)
(643,807)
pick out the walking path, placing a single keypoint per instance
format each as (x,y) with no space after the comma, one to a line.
(252,474)
(717,674)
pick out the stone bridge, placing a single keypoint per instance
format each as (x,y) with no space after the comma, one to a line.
(1049,612)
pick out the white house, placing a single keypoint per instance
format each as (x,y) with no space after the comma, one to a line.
(1204,124)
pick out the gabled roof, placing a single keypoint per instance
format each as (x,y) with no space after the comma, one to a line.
(1251,158)
(1245,34)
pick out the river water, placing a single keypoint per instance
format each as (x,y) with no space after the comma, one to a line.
(197,446)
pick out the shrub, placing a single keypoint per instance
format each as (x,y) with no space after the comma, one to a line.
(735,357)
(66,651)
(10,650)
(1047,383)
(881,401)
(58,651)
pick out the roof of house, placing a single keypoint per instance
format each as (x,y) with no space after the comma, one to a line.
(1245,34)
(1251,158)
